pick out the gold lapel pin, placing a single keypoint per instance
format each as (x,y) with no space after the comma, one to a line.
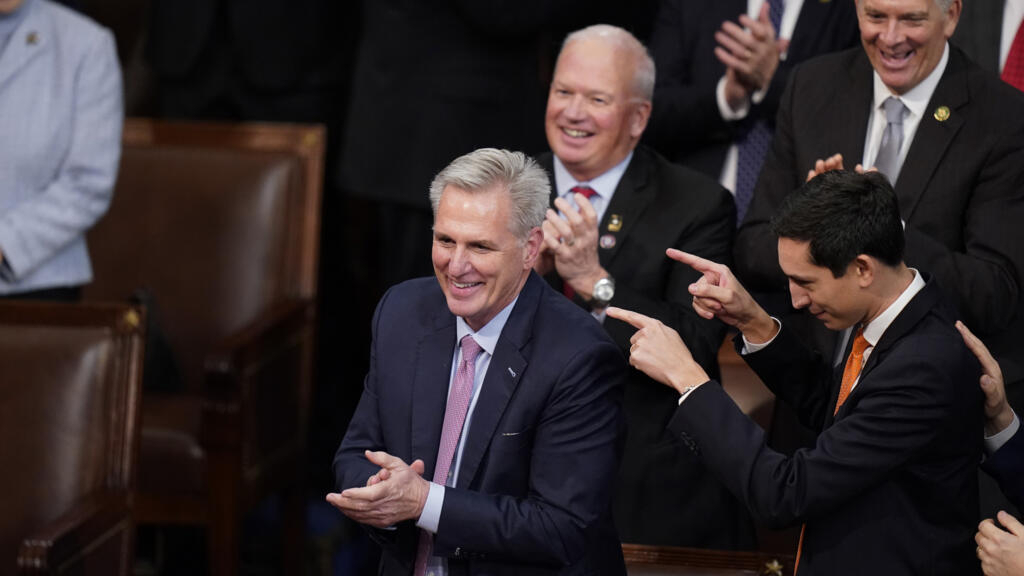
(615,223)
(32,39)
(942,113)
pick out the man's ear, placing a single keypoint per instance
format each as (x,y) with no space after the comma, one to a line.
(638,118)
(864,267)
(952,18)
(532,246)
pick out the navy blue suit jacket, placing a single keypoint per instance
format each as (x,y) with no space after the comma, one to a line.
(535,483)
(891,485)
(1007,467)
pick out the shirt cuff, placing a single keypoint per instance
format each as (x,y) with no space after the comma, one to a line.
(723,106)
(430,517)
(995,442)
(750,347)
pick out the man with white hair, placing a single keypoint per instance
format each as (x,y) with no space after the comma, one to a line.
(616,207)
(493,386)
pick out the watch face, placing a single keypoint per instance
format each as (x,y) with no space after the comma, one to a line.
(604,290)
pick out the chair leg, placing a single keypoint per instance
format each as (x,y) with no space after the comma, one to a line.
(225,517)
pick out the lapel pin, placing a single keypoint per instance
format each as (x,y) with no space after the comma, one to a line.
(942,113)
(607,241)
(511,372)
(615,223)
(32,38)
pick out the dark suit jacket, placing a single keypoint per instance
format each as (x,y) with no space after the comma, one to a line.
(1007,467)
(534,493)
(662,205)
(959,189)
(686,124)
(251,59)
(979,32)
(891,486)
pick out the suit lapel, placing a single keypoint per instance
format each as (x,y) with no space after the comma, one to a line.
(920,305)
(632,197)
(430,391)
(933,136)
(29,40)
(503,376)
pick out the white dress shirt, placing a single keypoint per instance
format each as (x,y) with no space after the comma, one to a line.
(790,14)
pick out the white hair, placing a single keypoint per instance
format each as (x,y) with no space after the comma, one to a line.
(642,85)
(525,181)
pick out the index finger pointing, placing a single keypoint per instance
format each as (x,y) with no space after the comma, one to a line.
(693,261)
(632,318)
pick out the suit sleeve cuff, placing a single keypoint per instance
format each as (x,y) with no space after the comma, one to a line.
(995,442)
(431,515)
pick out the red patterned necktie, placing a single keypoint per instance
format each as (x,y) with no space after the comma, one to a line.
(454,418)
(585,190)
(588,193)
(1013,70)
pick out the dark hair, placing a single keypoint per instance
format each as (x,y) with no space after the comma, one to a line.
(843,214)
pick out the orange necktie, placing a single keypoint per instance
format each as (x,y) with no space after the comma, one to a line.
(853,365)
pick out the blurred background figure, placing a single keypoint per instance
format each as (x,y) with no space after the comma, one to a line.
(722,67)
(60,116)
(992,34)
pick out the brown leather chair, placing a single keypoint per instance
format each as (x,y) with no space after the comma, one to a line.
(219,226)
(644,560)
(69,428)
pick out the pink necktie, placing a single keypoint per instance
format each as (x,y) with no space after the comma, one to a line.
(454,418)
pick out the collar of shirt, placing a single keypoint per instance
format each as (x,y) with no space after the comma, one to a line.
(487,336)
(604,185)
(916,100)
(10,22)
(874,330)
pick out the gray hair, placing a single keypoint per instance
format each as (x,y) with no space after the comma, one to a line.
(643,65)
(525,181)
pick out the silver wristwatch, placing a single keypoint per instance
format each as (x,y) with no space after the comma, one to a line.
(604,291)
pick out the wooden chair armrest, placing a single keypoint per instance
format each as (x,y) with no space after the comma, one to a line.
(257,391)
(720,561)
(87,529)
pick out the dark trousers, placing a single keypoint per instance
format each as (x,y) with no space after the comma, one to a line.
(65,294)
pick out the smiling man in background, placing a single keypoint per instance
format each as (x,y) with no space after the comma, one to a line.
(618,204)
(950,138)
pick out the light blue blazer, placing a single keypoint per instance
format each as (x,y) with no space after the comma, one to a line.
(61,113)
